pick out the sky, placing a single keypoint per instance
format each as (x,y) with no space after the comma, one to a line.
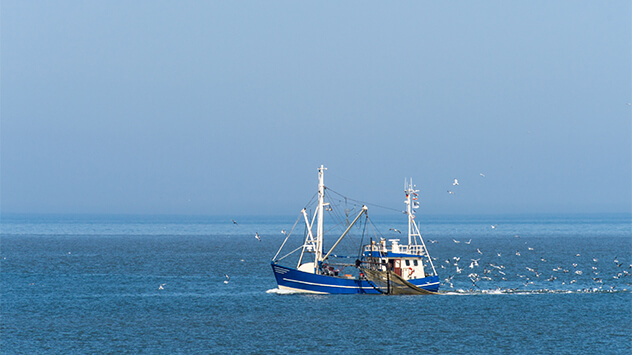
(229,107)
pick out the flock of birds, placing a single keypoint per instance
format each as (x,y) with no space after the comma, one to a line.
(523,276)
(497,272)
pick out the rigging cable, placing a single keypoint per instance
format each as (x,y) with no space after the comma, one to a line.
(363,202)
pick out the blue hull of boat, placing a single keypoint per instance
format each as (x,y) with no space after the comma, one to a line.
(293,279)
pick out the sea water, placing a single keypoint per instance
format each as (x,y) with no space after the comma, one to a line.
(138,284)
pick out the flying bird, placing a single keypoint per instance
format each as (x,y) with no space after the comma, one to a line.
(494,226)
(257,236)
(482,175)
(235,222)
(456,182)
(227,278)
(450,192)
(395,230)
(283,231)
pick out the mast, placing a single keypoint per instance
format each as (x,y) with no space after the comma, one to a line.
(319,211)
(411,205)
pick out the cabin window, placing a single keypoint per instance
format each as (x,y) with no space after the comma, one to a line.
(407,262)
(415,262)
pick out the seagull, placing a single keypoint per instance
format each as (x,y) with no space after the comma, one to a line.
(456,241)
(517,253)
(432,241)
(234,222)
(257,236)
(479,251)
(494,226)
(499,254)
(468,242)
(227,278)
(395,230)
(482,175)
(450,192)
(283,231)
(456,182)
(161,287)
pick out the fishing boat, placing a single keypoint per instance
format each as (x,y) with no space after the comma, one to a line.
(380,266)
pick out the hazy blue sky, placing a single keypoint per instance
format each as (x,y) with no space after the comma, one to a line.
(229,107)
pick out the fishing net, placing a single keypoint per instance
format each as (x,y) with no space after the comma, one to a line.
(389,283)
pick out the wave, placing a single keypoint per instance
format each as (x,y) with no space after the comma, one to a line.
(279,291)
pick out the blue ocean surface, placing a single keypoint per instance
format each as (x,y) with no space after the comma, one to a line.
(155,284)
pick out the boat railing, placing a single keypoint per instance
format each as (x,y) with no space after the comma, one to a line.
(404,249)
(412,249)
